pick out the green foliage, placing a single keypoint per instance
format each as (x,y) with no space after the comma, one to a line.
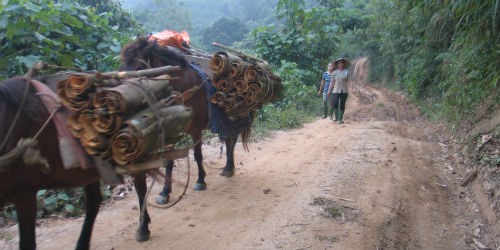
(296,108)
(158,15)
(297,94)
(117,16)
(196,16)
(67,202)
(58,32)
(225,31)
(301,48)
(206,12)
(309,36)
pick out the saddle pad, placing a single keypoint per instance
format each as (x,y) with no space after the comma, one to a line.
(71,151)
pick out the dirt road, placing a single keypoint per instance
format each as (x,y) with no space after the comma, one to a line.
(379,181)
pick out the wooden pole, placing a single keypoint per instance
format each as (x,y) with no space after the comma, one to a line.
(239,53)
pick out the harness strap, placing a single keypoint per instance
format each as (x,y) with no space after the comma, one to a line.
(54,111)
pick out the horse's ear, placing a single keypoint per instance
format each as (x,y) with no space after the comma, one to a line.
(150,47)
(142,42)
(132,49)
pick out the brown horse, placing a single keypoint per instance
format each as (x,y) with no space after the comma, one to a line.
(20,182)
(142,54)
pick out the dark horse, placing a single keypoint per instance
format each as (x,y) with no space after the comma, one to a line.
(142,54)
(19,182)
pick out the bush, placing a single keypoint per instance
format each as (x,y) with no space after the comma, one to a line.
(58,32)
(299,103)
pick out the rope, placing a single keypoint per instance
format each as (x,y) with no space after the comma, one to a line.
(149,99)
(35,68)
(18,114)
(180,196)
(184,98)
(185,186)
(47,120)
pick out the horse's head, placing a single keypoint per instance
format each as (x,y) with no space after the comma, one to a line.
(143,53)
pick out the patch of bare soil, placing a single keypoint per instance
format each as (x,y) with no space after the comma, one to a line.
(382,180)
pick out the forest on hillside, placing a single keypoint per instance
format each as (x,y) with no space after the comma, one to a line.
(225,21)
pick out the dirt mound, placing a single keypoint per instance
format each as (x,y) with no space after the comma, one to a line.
(376,103)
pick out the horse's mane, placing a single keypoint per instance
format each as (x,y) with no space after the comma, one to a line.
(142,48)
(11,93)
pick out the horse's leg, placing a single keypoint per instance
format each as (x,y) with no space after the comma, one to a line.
(93,200)
(198,157)
(228,170)
(164,195)
(143,232)
(25,202)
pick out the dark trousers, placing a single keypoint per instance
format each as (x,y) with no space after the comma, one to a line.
(339,99)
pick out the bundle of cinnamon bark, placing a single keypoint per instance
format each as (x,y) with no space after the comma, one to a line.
(124,117)
(244,84)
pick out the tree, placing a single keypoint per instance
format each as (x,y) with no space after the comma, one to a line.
(225,31)
(308,36)
(158,15)
(117,16)
(62,33)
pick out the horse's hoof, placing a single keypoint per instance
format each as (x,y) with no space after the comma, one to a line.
(200,186)
(141,236)
(227,173)
(162,200)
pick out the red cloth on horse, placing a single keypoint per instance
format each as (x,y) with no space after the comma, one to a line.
(171,38)
(72,152)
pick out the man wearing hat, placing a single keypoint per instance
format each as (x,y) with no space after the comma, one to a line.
(339,88)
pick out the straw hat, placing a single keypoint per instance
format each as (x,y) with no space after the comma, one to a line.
(346,63)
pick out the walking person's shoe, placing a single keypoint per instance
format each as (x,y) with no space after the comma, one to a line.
(336,112)
(341,117)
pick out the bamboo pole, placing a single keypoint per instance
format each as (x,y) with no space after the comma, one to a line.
(129,96)
(154,72)
(239,53)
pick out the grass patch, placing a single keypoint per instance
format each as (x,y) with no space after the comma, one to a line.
(271,118)
(336,210)
(333,212)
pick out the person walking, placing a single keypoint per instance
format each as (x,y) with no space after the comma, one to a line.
(339,87)
(323,89)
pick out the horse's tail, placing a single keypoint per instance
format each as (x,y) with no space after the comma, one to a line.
(247,132)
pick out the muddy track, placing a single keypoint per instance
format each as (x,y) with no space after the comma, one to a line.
(376,182)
